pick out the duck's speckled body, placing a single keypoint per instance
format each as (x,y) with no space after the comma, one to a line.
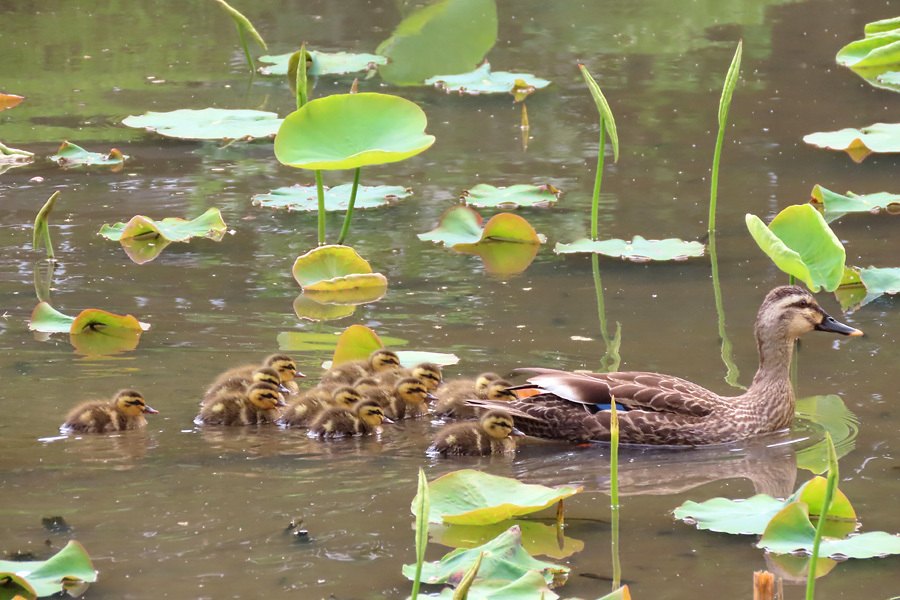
(259,404)
(303,411)
(125,411)
(365,419)
(490,435)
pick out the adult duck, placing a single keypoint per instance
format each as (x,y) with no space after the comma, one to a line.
(665,410)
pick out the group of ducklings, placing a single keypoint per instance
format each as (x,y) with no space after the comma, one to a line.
(353,398)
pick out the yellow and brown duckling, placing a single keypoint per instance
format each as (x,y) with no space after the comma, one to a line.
(409,400)
(364,419)
(466,387)
(257,405)
(306,409)
(453,406)
(348,372)
(428,373)
(239,383)
(125,411)
(282,363)
(491,435)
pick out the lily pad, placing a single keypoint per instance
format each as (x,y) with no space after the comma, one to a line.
(836,205)
(471,497)
(501,258)
(879,281)
(488,196)
(357,342)
(208,123)
(338,274)
(800,243)
(873,51)
(172,229)
(92,332)
(348,131)
(461,225)
(70,155)
(537,538)
(483,81)
(504,559)
(324,63)
(637,250)
(859,143)
(71,565)
(530,586)
(305,197)
(831,415)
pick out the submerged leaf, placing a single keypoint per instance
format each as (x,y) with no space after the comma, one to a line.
(172,229)
(484,81)
(305,197)
(484,195)
(325,63)
(208,123)
(52,576)
(637,250)
(836,205)
(70,155)
(859,143)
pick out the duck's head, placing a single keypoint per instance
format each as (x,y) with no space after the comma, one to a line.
(285,365)
(791,311)
(265,396)
(364,385)
(345,396)
(499,424)
(484,380)
(132,404)
(412,391)
(270,375)
(384,360)
(371,413)
(499,390)
(429,374)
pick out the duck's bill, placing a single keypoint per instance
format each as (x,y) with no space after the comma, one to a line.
(298,374)
(283,389)
(516,432)
(281,402)
(150,410)
(431,397)
(388,421)
(835,326)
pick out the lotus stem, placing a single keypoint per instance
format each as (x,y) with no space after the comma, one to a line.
(731,377)
(349,216)
(320,190)
(715,180)
(595,204)
(614,492)
(830,486)
(244,45)
(610,360)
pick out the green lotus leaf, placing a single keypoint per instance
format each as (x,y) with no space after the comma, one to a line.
(889,80)
(791,531)
(322,342)
(851,292)
(458,225)
(859,143)
(446,37)
(502,258)
(830,415)
(324,63)
(507,227)
(836,205)
(357,342)
(471,497)
(484,81)
(348,131)
(312,310)
(335,268)
(504,559)
(172,229)
(800,243)
(104,339)
(47,319)
(488,196)
(208,123)
(537,538)
(99,320)
(70,155)
(41,578)
(142,251)
(874,51)
(358,288)
(637,250)
(879,281)
(882,26)
(530,586)
(305,197)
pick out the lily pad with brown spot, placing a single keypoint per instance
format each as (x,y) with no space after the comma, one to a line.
(93,331)
(636,250)
(859,143)
(837,205)
(71,155)
(484,81)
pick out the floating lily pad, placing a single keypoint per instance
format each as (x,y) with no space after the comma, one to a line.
(866,285)
(537,538)
(504,559)
(484,195)
(501,258)
(325,63)
(172,229)
(338,274)
(357,342)
(637,250)
(142,251)
(483,81)
(831,415)
(9,100)
(70,155)
(800,243)
(305,197)
(208,123)
(530,586)
(471,497)
(94,332)
(859,143)
(462,225)
(66,569)
(874,51)
(348,131)
(836,205)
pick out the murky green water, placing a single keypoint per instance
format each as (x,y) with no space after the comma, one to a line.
(175,511)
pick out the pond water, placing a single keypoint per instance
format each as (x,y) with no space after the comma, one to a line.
(180,511)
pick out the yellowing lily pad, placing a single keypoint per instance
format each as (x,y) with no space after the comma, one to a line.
(9,100)
(93,332)
(484,195)
(636,250)
(324,63)
(462,225)
(208,123)
(357,342)
(70,155)
(501,258)
(305,197)
(172,229)
(483,81)
(37,578)
(471,497)
(859,143)
(338,274)
(312,310)
(836,205)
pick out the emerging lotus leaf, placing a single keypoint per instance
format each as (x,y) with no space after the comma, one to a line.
(636,250)
(859,143)
(836,205)
(325,63)
(208,123)
(305,197)
(460,229)
(484,195)
(70,155)
(172,229)
(38,578)
(483,81)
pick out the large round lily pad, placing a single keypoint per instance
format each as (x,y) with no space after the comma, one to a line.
(305,197)
(636,250)
(208,123)
(348,131)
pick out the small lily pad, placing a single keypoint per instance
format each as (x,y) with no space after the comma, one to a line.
(836,205)
(324,63)
(483,81)
(859,143)
(488,196)
(37,578)
(92,332)
(462,225)
(338,274)
(471,497)
(208,123)
(172,229)
(305,198)
(637,250)
(70,155)
(879,281)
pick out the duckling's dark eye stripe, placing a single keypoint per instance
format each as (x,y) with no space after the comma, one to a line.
(134,402)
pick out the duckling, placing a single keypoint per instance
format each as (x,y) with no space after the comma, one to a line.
(428,373)
(491,435)
(365,419)
(125,411)
(454,406)
(240,384)
(282,363)
(408,400)
(303,411)
(258,404)
(347,373)
(466,387)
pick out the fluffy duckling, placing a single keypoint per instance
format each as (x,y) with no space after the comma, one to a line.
(453,406)
(466,387)
(282,363)
(258,404)
(125,411)
(347,373)
(491,435)
(408,400)
(306,409)
(428,373)
(366,418)
(238,383)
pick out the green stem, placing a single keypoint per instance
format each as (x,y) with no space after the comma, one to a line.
(614,495)
(246,49)
(831,484)
(595,204)
(598,288)
(792,280)
(731,377)
(320,190)
(714,188)
(349,216)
